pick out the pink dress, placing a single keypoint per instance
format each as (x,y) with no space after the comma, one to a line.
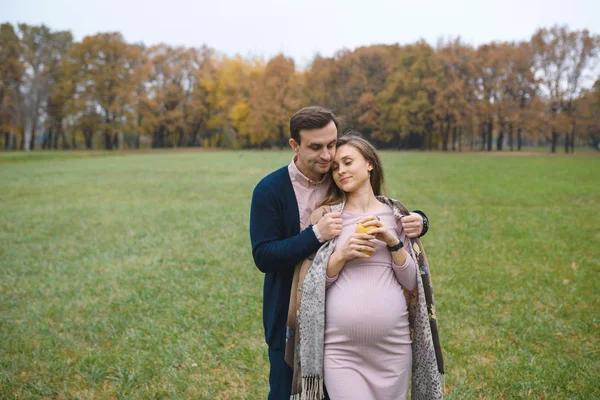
(367,338)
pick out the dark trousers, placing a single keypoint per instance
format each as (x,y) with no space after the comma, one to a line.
(280,377)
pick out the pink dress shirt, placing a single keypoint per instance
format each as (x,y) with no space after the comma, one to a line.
(308,194)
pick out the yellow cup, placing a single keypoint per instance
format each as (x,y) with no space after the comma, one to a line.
(361,229)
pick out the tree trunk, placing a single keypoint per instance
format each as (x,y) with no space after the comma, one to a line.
(510,137)
(460,132)
(107,140)
(430,141)
(161,137)
(445,133)
(22,141)
(500,138)
(61,133)
(55,140)
(483,136)
(454,138)
(519,139)
(46,139)
(137,141)
(180,138)
(554,141)
(490,129)
(6,140)
(194,135)
(567,142)
(573,140)
(115,143)
(73,141)
(87,135)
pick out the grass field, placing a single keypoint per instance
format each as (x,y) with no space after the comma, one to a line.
(130,276)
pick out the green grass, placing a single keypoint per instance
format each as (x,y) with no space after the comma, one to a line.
(131,276)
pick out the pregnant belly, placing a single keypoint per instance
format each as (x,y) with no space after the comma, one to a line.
(366,305)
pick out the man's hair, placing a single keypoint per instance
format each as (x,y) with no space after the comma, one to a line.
(313,117)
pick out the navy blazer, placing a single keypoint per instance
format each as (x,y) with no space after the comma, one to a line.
(277,246)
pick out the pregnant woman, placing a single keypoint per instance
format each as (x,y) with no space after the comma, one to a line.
(360,340)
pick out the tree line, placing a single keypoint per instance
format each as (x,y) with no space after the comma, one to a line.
(102,92)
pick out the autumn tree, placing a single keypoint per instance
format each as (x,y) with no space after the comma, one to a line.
(275,96)
(408,98)
(11,72)
(454,99)
(563,59)
(56,109)
(103,71)
(229,101)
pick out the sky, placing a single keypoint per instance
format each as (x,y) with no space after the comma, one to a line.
(302,29)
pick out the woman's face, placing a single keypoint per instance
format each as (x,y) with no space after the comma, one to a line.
(350,170)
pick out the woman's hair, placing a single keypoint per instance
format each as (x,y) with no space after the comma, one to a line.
(352,138)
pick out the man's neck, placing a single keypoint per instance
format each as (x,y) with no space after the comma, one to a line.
(313,176)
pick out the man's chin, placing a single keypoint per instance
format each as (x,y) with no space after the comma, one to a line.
(323,168)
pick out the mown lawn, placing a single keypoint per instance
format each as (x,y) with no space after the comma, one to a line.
(130,276)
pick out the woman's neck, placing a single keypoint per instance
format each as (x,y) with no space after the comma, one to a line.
(362,201)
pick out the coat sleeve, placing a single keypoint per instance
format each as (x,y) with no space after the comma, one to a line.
(271,250)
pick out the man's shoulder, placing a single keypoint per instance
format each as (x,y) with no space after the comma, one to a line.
(276,178)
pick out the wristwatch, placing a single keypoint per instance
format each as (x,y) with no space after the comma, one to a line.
(396,247)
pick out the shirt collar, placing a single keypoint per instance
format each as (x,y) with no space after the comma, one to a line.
(299,177)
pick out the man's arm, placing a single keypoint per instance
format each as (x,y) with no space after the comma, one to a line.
(271,251)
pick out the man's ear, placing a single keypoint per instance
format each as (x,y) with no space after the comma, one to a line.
(294,145)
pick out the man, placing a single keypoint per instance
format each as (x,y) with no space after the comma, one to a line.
(281,232)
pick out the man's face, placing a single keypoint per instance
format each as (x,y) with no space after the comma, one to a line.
(315,151)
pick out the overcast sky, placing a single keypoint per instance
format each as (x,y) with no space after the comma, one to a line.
(301,29)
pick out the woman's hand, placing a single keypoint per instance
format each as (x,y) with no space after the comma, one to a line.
(351,249)
(355,245)
(381,232)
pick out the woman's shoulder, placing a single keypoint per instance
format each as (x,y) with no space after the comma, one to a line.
(318,213)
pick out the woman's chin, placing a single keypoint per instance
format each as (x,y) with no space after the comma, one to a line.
(346,188)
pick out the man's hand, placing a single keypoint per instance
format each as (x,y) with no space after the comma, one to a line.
(330,225)
(412,225)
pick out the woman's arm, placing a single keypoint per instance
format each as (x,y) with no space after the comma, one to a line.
(404,266)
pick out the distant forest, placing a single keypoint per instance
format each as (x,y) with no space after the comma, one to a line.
(105,93)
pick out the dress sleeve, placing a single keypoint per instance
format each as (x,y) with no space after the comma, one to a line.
(406,274)
(329,281)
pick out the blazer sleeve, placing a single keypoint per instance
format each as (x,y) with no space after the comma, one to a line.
(271,250)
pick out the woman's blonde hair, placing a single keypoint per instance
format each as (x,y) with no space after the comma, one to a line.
(352,138)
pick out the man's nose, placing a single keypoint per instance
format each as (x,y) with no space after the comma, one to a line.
(326,155)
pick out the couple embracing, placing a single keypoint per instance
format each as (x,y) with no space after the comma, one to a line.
(348,306)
